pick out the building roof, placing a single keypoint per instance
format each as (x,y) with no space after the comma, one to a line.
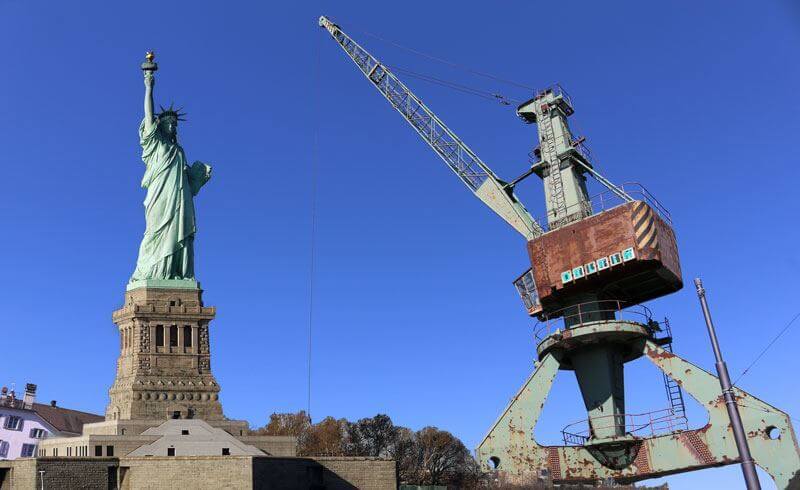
(64,419)
(193,437)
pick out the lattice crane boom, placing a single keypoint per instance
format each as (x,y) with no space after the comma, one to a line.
(472,171)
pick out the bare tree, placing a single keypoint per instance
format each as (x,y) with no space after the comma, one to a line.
(374,437)
(441,457)
(405,454)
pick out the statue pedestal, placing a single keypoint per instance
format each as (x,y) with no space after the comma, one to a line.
(164,367)
(164,372)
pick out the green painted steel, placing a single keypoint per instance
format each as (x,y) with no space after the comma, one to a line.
(564,181)
(511,438)
(600,376)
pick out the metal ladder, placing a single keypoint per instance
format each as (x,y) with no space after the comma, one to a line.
(549,153)
(674,391)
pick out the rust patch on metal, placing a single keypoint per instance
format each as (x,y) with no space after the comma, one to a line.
(703,429)
(691,440)
(642,460)
(554,462)
(659,354)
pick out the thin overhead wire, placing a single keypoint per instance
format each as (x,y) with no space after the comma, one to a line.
(449,63)
(775,339)
(495,97)
(740,404)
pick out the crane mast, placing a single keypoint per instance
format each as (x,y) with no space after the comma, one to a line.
(469,168)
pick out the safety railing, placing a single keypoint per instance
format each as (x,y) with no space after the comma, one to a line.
(582,149)
(607,199)
(640,424)
(593,311)
(557,90)
(638,192)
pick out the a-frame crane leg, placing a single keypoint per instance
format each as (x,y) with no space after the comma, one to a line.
(511,447)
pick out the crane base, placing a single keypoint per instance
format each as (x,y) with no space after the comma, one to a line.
(511,449)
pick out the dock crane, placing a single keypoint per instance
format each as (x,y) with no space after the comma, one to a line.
(592,267)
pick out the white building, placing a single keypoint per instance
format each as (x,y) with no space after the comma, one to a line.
(23,422)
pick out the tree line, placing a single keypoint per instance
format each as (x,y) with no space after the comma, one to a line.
(429,456)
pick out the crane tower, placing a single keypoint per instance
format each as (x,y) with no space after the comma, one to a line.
(592,265)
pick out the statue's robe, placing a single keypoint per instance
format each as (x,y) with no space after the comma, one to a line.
(167,249)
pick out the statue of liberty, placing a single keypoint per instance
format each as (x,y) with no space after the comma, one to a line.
(167,251)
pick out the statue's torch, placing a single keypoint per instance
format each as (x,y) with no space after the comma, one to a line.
(149,66)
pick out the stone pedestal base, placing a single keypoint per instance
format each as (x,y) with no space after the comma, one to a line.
(164,367)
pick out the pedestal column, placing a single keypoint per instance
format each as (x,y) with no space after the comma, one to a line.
(154,381)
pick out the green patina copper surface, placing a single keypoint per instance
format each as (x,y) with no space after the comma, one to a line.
(166,252)
(164,284)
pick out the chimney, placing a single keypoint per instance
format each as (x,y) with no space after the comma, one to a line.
(30,396)
(3,395)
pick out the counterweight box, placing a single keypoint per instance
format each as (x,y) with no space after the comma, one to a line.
(627,253)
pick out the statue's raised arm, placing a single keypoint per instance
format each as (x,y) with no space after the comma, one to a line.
(149,68)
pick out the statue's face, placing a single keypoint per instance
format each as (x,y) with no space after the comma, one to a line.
(169,126)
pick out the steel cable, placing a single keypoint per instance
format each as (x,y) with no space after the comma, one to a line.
(502,99)
(449,63)
(775,339)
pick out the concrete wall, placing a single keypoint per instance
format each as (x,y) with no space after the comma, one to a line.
(71,473)
(333,473)
(279,473)
(78,473)
(282,446)
(200,472)
(258,473)
(20,474)
(362,473)
(195,472)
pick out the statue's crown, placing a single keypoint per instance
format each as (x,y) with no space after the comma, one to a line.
(171,112)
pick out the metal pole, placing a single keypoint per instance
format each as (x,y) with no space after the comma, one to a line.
(748,466)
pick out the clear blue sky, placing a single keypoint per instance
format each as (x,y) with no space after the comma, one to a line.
(415,315)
